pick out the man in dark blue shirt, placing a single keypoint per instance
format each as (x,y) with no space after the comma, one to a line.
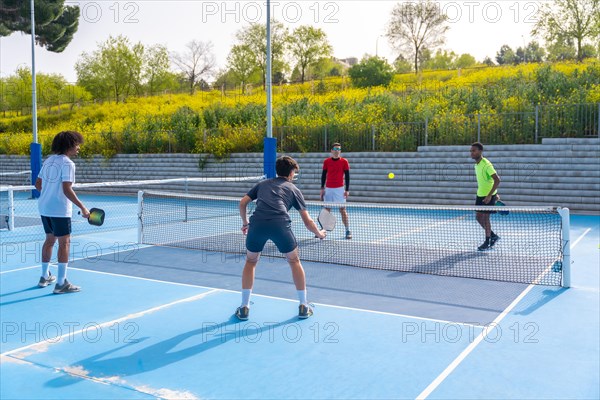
(270,220)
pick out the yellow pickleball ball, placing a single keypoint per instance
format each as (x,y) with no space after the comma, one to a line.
(391,175)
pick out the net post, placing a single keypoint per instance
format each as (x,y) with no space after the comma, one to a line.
(35,161)
(140,227)
(270,156)
(11,209)
(566,245)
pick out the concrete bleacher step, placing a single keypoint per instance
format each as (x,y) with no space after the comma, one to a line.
(563,172)
(584,141)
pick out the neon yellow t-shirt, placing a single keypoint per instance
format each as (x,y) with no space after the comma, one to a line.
(484,171)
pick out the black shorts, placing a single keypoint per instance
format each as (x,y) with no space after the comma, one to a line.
(57,226)
(280,232)
(479,202)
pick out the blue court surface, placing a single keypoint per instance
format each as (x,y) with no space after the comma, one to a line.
(157,322)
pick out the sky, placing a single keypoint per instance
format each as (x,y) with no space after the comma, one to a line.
(354,27)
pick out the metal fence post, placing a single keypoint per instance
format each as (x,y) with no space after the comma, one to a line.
(281,139)
(373,136)
(537,127)
(325,142)
(426,129)
(598,131)
(479,127)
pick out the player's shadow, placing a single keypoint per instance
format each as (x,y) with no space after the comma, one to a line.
(36,287)
(6,303)
(161,354)
(446,265)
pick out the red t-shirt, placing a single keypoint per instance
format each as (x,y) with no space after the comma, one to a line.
(335,168)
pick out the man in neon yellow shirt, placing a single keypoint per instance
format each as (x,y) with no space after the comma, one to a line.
(487,194)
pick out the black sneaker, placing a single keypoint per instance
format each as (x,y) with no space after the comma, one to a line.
(493,239)
(46,281)
(486,245)
(304,311)
(348,235)
(66,287)
(242,313)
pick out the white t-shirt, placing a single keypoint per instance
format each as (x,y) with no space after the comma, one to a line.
(56,169)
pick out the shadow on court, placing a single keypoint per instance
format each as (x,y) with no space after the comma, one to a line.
(162,354)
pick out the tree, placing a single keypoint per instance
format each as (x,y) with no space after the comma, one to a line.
(241,64)
(326,66)
(443,59)
(402,65)
(488,61)
(589,51)
(113,70)
(531,53)
(224,79)
(196,62)
(156,73)
(52,90)
(254,37)
(506,56)
(425,55)
(564,20)
(55,23)
(371,71)
(414,26)
(561,49)
(535,52)
(18,90)
(464,61)
(308,45)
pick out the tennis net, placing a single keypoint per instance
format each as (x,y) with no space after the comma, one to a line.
(15,178)
(428,239)
(20,220)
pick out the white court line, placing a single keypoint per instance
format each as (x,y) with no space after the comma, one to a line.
(19,269)
(452,366)
(138,314)
(115,381)
(140,246)
(581,237)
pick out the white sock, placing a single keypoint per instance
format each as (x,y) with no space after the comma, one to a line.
(62,273)
(45,269)
(246,297)
(302,296)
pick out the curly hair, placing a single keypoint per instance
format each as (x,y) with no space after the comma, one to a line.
(66,140)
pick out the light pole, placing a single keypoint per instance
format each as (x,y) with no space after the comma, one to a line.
(35,148)
(524,50)
(270,143)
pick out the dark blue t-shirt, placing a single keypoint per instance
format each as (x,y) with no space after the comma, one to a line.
(274,198)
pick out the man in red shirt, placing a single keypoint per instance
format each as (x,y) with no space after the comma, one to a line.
(335,182)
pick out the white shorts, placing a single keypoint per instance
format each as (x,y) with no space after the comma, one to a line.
(334,195)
